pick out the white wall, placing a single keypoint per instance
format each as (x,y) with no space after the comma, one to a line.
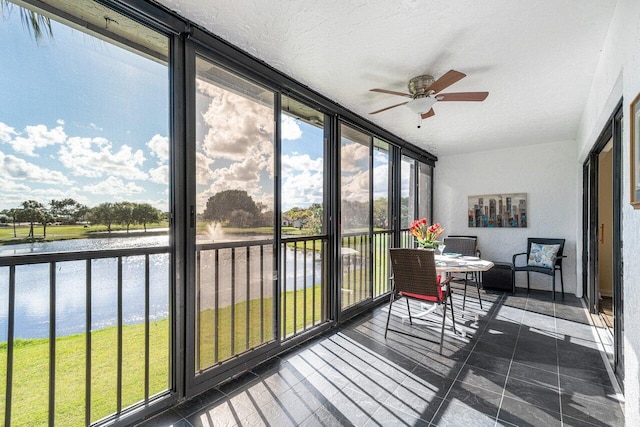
(546,172)
(618,75)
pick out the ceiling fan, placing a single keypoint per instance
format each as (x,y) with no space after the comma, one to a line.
(425,92)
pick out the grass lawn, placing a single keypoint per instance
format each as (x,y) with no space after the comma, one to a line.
(31,361)
(31,368)
(311,245)
(31,357)
(66,232)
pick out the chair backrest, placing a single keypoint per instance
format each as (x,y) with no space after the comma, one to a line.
(414,271)
(545,241)
(461,245)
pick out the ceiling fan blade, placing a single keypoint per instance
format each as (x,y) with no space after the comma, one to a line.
(449,78)
(391,92)
(428,114)
(462,96)
(388,108)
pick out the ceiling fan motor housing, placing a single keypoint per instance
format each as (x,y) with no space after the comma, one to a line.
(426,91)
(418,84)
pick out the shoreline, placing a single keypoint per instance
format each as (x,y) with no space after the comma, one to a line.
(53,237)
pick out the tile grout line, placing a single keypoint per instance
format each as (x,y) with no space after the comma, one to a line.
(603,354)
(513,355)
(555,323)
(500,301)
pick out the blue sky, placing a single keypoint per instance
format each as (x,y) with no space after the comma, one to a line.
(80,118)
(83,118)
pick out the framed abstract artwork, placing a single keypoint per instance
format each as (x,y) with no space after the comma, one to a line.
(498,210)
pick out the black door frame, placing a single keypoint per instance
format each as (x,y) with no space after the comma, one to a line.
(612,131)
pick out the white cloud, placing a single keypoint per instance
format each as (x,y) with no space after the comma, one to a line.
(14,193)
(159,146)
(15,168)
(38,136)
(238,127)
(113,186)
(94,126)
(160,175)
(240,131)
(290,128)
(45,195)
(381,181)
(9,186)
(60,122)
(302,189)
(302,180)
(203,168)
(301,163)
(94,157)
(240,175)
(161,204)
(11,200)
(6,132)
(351,156)
(355,188)
(380,156)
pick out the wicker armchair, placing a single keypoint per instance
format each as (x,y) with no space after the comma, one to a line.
(465,246)
(414,277)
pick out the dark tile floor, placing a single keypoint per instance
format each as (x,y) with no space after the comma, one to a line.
(526,361)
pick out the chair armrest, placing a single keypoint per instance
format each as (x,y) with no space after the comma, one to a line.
(556,265)
(446,280)
(513,260)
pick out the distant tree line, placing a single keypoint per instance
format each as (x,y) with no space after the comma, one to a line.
(236,208)
(309,219)
(69,212)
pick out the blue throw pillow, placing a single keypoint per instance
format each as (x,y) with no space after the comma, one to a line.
(543,255)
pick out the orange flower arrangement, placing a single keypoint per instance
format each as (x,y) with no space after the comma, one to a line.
(426,234)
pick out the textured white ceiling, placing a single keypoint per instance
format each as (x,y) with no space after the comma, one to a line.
(536,59)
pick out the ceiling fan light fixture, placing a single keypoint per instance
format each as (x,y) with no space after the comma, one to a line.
(421,105)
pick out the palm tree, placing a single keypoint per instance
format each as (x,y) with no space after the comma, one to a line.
(33,212)
(11,214)
(37,25)
(15,216)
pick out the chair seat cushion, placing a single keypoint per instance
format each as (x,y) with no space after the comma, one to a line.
(422,297)
(543,256)
(431,298)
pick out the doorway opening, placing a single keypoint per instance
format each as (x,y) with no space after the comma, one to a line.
(602,239)
(604,302)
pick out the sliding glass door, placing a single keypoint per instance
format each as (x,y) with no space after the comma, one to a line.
(232,216)
(367,226)
(356,208)
(258,228)
(383,226)
(304,231)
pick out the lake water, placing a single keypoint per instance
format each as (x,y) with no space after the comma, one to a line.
(32,286)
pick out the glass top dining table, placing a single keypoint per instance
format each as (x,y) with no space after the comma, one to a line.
(461,264)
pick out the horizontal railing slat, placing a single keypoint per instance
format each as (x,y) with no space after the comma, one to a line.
(46,258)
